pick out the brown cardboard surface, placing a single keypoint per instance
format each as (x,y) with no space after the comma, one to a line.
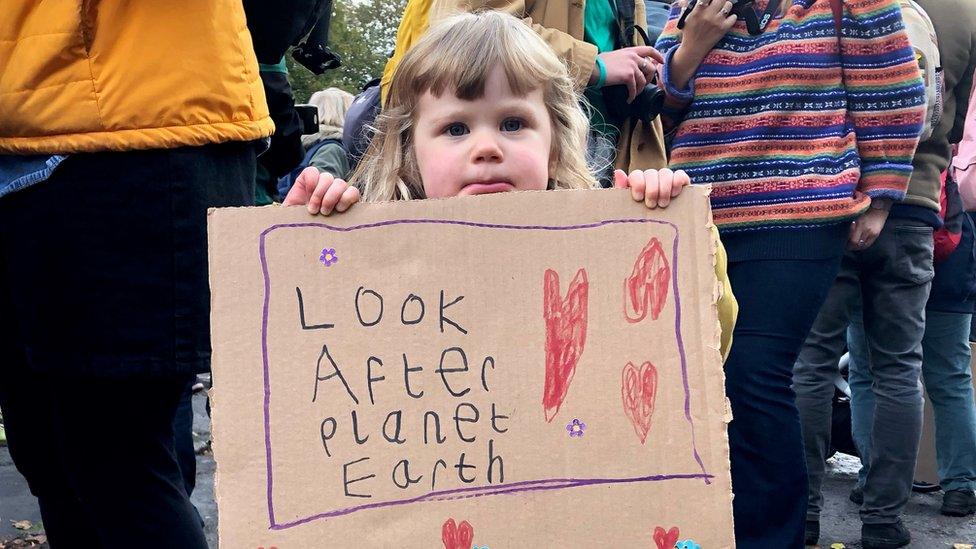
(511,320)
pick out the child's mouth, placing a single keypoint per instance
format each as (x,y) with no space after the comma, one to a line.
(487,187)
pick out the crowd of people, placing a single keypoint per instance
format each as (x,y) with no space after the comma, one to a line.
(826,129)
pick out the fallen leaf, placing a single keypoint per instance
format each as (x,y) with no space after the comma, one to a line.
(22,524)
(962,546)
(837,546)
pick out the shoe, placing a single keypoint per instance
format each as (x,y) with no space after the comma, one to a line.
(811,532)
(884,536)
(958,503)
(857,496)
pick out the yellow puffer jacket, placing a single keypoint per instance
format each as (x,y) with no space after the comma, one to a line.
(89,75)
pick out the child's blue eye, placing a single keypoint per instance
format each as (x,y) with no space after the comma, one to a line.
(456,130)
(511,125)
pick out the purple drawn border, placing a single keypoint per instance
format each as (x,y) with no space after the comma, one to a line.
(497,489)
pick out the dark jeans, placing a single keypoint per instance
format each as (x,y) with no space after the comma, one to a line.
(104,320)
(891,280)
(99,457)
(778,302)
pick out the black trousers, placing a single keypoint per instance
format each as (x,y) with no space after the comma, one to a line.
(99,457)
(104,320)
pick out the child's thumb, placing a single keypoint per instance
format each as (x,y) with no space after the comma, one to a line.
(302,189)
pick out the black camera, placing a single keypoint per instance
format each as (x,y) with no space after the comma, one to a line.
(645,107)
(309,115)
(742,9)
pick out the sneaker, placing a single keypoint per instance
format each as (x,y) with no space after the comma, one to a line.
(811,532)
(885,536)
(958,503)
(857,496)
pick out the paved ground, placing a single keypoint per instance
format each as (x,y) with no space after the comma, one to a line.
(840,523)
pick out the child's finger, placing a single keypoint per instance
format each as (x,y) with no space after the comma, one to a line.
(652,191)
(620,180)
(665,180)
(681,180)
(637,183)
(304,185)
(332,196)
(349,197)
(315,201)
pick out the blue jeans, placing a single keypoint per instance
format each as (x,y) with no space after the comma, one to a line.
(657,17)
(947,375)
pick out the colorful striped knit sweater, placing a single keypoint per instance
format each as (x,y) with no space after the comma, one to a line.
(765,118)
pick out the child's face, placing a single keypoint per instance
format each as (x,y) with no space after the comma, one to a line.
(497,143)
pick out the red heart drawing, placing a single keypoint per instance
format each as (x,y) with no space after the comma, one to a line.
(666,540)
(457,537)
(647,283)
(565,336)
(638,389)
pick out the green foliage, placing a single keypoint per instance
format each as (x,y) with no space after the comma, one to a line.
(363,33)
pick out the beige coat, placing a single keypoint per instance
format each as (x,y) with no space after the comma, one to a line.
(560,24)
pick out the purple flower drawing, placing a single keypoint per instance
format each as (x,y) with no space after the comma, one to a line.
(328,257)
(576,428)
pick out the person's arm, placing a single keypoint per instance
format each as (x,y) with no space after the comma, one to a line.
(684,50)
(631,67)
(876,50)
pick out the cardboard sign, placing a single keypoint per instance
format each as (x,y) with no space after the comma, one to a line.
(516,370)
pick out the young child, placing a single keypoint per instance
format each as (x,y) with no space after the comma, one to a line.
(479,105)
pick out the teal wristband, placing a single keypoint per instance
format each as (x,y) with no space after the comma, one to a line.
(602,79)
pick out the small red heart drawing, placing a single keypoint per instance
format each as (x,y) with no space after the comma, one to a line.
(638,389)
(457,537)
(666,540)
(565,336)
(647,283)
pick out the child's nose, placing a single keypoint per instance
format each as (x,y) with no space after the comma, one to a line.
(486,148)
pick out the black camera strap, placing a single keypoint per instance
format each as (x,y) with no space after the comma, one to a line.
(757,26)
(625,22)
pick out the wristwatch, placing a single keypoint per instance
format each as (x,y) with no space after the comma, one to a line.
(883,204)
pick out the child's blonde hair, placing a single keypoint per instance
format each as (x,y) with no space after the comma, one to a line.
(458,55)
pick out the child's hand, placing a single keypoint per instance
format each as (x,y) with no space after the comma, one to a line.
(321,192)
(653,187)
